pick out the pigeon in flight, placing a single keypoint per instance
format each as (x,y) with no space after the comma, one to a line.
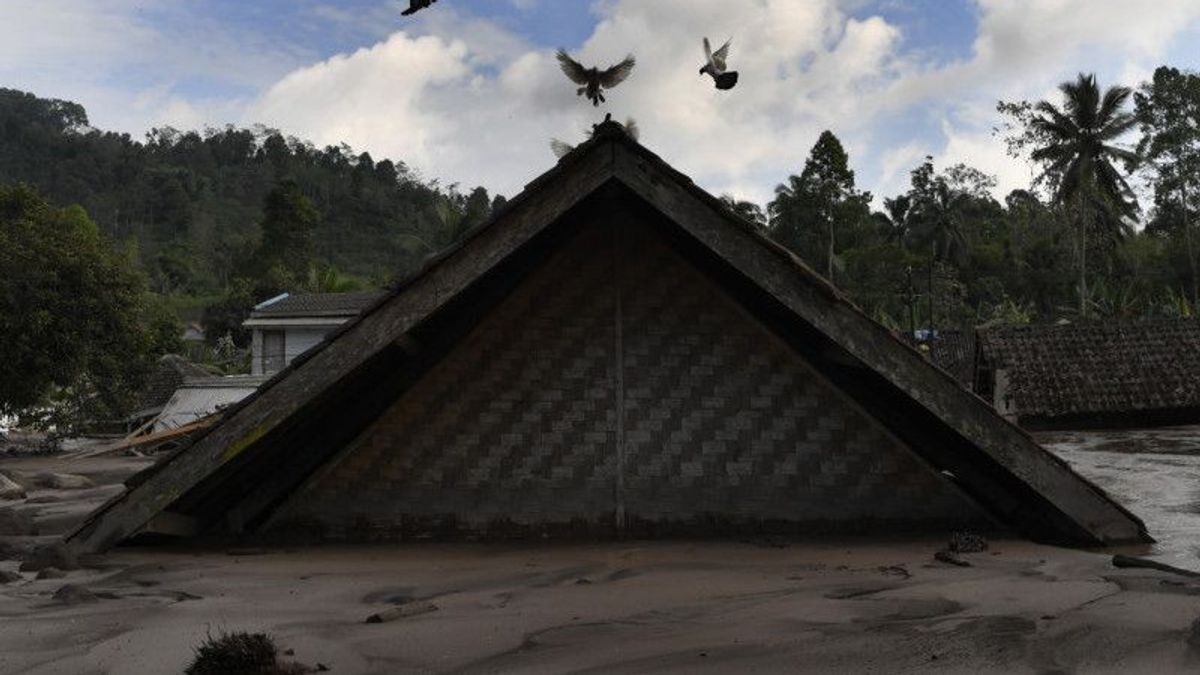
(715,65)
(416,6)
(592,79)
(561,148)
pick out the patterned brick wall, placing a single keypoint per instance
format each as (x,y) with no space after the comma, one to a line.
(516,430)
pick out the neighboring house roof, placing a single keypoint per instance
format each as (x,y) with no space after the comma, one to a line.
(172,370)
(952,351)
(234,474)
(1095,370)
(193,332)
(316,304)
(200,397)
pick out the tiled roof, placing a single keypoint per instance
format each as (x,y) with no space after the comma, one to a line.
(1080,369)
(952,351)
(171,372)
(318,304)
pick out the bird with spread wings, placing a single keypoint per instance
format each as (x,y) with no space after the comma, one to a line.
(416,6)
(714,65)
(591,80)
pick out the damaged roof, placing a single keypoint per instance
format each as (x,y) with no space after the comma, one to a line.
(1096,369)
(247,463)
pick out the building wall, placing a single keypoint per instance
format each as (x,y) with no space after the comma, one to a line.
(297,340)
(722,427)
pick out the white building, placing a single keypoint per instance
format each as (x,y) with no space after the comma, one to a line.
(286,326)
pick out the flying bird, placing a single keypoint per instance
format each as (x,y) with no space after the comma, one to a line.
(715,65)
(561,148)
(415,6)
(592,79)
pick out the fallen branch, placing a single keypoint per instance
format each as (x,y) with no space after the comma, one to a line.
(131,442)
(402,611)
(1128,561)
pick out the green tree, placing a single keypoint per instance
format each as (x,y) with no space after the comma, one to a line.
(286,250)
(811,210)
(75,322)
(936,213)
(745,209)
(1168,114)
(1078,152)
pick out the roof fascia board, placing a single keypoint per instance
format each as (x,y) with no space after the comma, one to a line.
(558,190)
(834,315)
(306,320)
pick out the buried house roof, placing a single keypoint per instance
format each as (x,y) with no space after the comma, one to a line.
(171,372)
(269,445)
(1093,374)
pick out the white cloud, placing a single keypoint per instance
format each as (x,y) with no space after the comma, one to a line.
(128,60)
(465,100)
(471,103)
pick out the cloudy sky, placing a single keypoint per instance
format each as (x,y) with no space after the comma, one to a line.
(468,91)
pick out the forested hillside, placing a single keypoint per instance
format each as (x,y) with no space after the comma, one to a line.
(193,202)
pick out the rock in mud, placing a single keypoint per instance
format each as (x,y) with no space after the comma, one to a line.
(63,481)
(7,577)
(14,523)
(10,489)
(74,595)
(51,573)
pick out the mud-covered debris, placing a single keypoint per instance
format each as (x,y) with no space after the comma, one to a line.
(72,594)
(950,558)
(403,611)
(51,573)
(10,489)
(51,555)
(966,542)
(1129,561)
(63,481)
(14,523)
(7,577)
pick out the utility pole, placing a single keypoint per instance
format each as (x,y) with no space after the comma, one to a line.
(932,257)
(912,303)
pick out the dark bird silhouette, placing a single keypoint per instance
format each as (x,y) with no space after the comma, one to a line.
(415,6)
(561,148)
(592,79)
(714,64)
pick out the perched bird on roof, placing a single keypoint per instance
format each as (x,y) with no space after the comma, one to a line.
(561,148)
(416,6)
(715,65)
(592,79)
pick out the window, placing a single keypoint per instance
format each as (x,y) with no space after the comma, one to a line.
(272,351)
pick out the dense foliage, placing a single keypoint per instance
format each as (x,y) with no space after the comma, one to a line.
(946,253)
(195,201)
(76,321)
(220,219)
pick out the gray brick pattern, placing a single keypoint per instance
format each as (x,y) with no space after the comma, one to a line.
(726,422)
(516,427)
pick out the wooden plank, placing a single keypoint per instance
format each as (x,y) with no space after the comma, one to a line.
(355,343)
(793,285)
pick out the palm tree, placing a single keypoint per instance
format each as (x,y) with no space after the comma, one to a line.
(1076,147)
(896,219)
(938,220)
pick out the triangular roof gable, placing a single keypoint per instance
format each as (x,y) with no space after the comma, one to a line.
(994,460)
